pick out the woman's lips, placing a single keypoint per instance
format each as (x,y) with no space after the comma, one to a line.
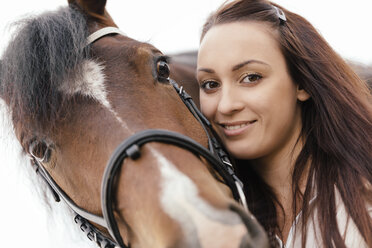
(236,128)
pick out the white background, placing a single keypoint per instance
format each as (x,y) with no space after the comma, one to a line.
(172,26)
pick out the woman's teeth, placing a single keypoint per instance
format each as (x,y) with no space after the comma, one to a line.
(234,127)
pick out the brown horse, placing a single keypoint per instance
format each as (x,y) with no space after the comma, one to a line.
(72,104)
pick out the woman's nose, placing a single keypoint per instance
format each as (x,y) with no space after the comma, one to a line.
(230,101)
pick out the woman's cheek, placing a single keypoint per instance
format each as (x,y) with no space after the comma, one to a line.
(207,106)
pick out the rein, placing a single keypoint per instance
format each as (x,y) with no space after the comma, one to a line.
(130,147)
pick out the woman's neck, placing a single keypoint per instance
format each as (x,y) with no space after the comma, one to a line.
(276,171)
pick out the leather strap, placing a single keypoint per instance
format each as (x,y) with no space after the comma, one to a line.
(131,148)
(103,32)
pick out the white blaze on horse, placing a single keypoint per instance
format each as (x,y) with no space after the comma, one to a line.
(72,103)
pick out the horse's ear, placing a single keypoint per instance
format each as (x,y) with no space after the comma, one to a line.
(91,6)
(96,10)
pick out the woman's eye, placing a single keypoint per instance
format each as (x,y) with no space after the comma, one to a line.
(251,78)
(209,85)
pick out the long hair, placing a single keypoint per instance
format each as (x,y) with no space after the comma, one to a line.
(336,128)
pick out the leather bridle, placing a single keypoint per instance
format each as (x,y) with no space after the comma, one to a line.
(131,148)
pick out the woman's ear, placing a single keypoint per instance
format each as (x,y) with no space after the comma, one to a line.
(302,95)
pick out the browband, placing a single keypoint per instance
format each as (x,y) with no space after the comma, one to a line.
(103,32)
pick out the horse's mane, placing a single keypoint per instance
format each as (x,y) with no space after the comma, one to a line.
(45,51)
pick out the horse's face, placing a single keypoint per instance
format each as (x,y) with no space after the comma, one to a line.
(167,197)
(156,192)
(129,98)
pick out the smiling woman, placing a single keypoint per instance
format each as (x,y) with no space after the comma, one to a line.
(297,120)
(229,84)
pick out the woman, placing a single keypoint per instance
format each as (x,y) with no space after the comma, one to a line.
(296,118)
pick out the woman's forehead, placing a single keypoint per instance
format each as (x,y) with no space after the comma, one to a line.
(237,41)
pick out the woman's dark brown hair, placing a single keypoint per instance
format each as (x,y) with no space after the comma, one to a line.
(336,128)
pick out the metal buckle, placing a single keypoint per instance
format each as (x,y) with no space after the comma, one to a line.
(227,163)
(243,200)
(40,160)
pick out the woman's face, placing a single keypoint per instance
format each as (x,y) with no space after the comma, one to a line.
(246,91)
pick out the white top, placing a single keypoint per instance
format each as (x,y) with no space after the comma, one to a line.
(348,229)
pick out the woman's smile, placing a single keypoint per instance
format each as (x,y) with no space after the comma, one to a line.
(236,128)
(287,107)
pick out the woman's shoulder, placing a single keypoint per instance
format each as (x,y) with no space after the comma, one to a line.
(347,226)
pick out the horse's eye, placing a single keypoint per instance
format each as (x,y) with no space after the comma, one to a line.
(163,70)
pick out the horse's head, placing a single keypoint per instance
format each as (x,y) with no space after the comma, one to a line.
(72,104)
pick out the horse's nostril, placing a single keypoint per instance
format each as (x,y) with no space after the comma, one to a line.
(256,234)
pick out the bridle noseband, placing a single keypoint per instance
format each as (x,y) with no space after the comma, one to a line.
(131,148)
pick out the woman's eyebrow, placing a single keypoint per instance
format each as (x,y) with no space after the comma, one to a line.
(206,70)
(240,65)
(235,67)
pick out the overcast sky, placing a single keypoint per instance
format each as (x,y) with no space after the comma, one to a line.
(172,26)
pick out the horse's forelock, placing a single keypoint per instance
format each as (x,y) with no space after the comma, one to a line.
(88,82)
(44,52)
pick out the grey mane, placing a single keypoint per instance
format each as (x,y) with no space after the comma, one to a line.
(45,51)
